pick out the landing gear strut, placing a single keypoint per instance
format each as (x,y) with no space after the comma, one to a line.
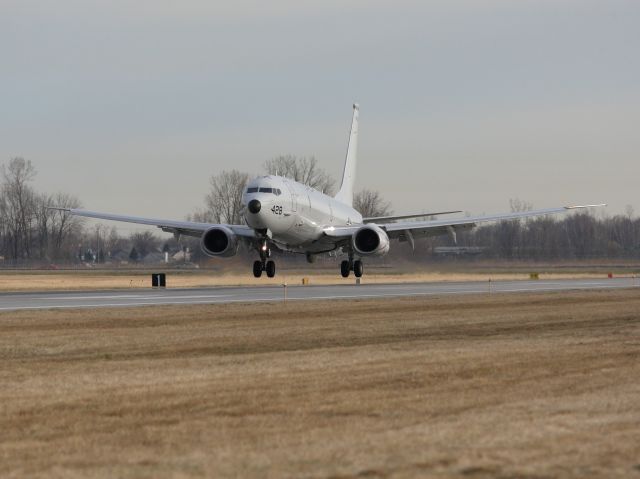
(263,265)
(350,265)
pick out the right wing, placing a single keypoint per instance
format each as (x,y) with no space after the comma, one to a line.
(439,227)
(187,228)
(407,229)
(386,219)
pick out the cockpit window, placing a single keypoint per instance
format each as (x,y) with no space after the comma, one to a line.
(275,191)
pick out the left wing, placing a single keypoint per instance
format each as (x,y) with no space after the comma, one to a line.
(407,229)
(187,228)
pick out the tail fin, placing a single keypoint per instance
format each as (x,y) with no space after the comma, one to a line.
(345,195)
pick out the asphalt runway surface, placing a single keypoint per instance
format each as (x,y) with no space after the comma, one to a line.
(139,297)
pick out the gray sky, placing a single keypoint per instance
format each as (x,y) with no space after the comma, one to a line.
(131,106)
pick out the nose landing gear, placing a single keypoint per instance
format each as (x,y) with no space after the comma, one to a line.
(268,266)
(263,265)
(358,268)
(345,268)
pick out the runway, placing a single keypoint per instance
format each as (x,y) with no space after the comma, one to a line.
(132,298)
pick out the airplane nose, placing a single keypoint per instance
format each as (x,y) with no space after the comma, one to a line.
(254,206)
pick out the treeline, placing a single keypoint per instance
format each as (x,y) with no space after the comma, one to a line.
(28,229)
(31,234)
(574,236)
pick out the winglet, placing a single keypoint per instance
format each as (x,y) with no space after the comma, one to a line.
(345,194)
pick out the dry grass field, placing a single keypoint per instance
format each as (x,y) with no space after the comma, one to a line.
(75,281)
(507,386)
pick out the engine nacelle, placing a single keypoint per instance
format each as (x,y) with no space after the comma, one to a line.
(219,241)
(370,240)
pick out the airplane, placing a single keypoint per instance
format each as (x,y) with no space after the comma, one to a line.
(289,216)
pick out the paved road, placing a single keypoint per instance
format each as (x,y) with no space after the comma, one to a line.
(121,298)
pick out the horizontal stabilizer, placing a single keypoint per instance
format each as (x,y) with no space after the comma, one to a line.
(584,206)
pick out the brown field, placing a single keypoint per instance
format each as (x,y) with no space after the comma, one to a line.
(508,386)
(74,280)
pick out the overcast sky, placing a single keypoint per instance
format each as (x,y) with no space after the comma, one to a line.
(132,106)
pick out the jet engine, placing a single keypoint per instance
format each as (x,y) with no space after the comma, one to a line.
(370,240)
(219,241)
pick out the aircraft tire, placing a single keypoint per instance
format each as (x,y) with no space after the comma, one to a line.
(271,269)
(257,268)
(344,269)
(358,268)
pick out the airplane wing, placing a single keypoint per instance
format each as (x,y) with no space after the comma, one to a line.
(386,219)
(408,229)
(187,228)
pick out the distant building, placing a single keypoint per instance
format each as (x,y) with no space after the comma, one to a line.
(182,256)
(153,258)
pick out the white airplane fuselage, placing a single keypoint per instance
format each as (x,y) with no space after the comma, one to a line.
(294,215)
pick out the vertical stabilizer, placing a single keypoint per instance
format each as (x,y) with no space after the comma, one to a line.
(345,195)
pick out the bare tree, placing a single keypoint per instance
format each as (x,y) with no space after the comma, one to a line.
(370,203)
(511,233)
(53,227)
(113,242)
(63,226)
(303,170)
(42,218)
(224,201)
(144,243)
(201,216)
(517,205)
(628,210)
(17,204)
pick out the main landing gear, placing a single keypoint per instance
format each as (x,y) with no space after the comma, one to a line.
(349,265)
(263,265)
(260,266)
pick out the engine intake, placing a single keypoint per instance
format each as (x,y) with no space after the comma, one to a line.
(370,240)
(219,241)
